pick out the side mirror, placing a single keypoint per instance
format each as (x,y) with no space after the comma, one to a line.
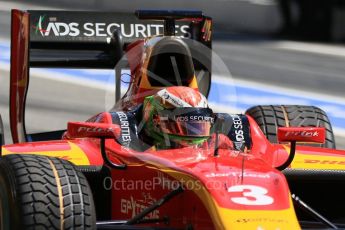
(299,134)
(90,129)
(96,130)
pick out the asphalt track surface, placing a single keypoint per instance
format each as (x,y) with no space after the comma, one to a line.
(315,70)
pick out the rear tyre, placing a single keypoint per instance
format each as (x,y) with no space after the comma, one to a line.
(270,117)
(45,193)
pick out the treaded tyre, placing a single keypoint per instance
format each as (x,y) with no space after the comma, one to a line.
(38,192)
(270,117)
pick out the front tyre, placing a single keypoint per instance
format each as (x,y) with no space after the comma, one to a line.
(45,193)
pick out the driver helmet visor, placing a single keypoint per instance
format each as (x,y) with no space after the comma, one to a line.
(189,122)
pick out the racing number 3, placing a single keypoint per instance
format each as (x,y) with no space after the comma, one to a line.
(251,195)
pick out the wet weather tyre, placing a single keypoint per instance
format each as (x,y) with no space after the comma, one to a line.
(270,117)
(38,192)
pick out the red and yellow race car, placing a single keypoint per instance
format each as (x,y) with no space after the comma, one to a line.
(94,174)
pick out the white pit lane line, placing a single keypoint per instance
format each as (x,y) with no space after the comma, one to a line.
(316,48)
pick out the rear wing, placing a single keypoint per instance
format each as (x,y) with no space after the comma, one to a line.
(77,39)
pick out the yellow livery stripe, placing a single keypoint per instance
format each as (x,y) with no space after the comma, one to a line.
(75,154)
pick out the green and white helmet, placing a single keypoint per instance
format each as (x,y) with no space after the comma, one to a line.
(177,116)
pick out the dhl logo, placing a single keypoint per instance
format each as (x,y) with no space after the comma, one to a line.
(310,161)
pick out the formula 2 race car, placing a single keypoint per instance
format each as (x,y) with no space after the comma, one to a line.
(86,177)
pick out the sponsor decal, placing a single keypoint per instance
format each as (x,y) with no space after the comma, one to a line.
(194,118)
(135,206)
(51,26)
(83,129)
(236,174)
(239,133)
(302,134)
(261,220)
(177,102)
(57,28)
(125,129)
(308,161)
(236,127)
